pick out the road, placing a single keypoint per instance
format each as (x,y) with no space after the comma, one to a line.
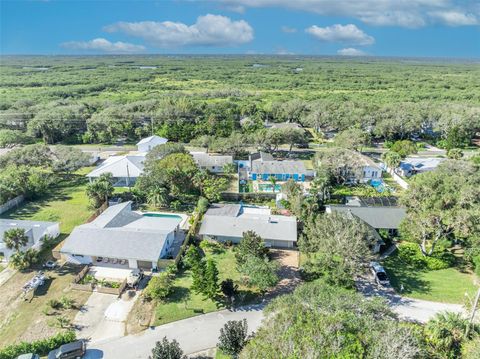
(406,308)
(194,335)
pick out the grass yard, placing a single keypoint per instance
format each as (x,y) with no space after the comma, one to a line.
(66,203)
(184,303)
(444,285)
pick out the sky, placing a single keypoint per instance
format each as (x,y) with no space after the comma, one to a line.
(411,28)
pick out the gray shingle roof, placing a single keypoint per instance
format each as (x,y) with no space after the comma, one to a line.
(121,243)
(270,227)
(38,228)
(377,217)
(231,210)
(288,167)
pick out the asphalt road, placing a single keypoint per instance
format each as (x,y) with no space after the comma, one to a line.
(194,335)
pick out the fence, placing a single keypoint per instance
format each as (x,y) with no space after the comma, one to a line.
(190,234)
(14,202)
(248,196)
(401,182)
(98,212)
(90,287)
(108,290)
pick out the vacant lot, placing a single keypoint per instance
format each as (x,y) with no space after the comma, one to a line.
(444,285)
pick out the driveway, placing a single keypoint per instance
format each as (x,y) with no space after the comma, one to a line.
(103,316)
(406,308)
(193,334)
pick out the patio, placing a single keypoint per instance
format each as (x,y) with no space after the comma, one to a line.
(116,273)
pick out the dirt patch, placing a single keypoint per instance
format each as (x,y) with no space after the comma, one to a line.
(288,271)
(140,317)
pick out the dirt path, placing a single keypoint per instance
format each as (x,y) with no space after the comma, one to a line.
(288,272)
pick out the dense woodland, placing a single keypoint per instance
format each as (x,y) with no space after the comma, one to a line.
(101,99)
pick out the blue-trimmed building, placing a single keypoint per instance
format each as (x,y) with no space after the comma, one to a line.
(263,167)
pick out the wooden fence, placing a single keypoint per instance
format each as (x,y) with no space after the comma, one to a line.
(98,212)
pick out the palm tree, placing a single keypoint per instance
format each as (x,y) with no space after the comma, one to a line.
(273,181)
(392,159)
(158,196)
(445,333)
(100,189)
(15,239)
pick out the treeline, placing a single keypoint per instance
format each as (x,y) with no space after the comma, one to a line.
(184,119)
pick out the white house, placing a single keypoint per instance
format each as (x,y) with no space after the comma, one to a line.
(36,231)
(124,169)
(212,163)
(120,236)
(228,222)
(414,165)
(146,144)
(370,170)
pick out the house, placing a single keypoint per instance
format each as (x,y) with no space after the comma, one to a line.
(262,166)
(36,231)
(414,165)
(376,216)
(369,171)
(228,222)
(289,125)
(212,163)
(120,236)
(146,144)
(124,169)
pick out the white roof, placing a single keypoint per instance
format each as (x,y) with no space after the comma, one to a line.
(157,140)
(118,165)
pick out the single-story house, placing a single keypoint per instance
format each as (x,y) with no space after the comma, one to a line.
(228,222)
(36,231)
(377,217)
(124,169)
(122,236)
(414,165)
(146,144)
(212,163)
(262,166)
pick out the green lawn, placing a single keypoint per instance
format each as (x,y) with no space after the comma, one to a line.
(184,303)
(445,285)
(66,203)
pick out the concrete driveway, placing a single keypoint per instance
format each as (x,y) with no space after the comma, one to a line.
(103,316)
(193,334)
(406,308)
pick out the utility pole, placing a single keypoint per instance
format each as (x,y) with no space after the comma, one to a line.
(472,316)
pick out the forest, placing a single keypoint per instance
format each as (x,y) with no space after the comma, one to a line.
(99,99)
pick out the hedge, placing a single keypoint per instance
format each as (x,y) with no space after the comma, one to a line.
(41,347)
(441,258)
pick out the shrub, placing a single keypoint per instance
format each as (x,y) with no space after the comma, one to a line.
(40,347)
(159,287)
(441,257)
(233,337)
(202,205)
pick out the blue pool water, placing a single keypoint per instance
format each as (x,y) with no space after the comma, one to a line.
(269,188)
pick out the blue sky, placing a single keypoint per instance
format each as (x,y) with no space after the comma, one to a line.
(426,28)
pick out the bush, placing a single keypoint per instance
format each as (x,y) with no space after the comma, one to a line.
(40,347)
(440,259)
(159,287)
(202,205)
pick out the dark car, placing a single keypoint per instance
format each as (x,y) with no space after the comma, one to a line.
(69,351)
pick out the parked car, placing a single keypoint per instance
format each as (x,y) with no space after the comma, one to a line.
(28,356)
(71,350)
(50,265)
(134,278)
(379,274)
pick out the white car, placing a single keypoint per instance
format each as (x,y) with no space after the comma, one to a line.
(379,274)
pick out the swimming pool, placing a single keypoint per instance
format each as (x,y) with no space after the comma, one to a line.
(162,215)
(269,188)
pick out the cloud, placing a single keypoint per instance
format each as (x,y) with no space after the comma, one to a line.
(209,30)
(347,34)
(101,44)
(288,29)
(350,51)
(455,18)
(404,13)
